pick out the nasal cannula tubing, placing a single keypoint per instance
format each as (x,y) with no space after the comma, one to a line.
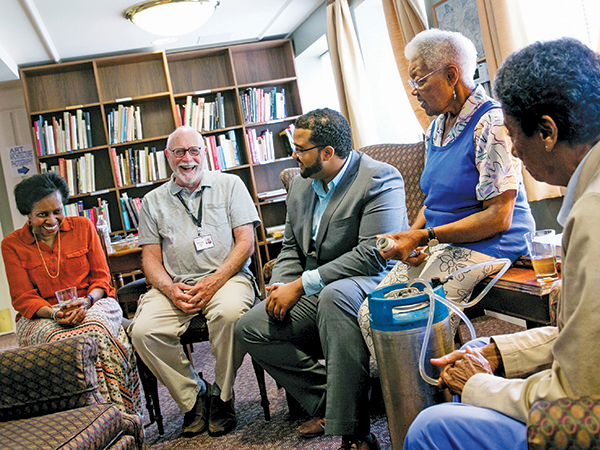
(454,306)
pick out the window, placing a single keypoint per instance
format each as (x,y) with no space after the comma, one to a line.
(315,77)
(551,19)
(396,121)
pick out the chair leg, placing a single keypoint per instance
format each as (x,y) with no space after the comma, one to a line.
(150,386)
(262,388)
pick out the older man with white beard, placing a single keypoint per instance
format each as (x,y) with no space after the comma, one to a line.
(195,266)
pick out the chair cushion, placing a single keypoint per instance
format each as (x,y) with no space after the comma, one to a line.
(91,427)
(566,423)
(47,378)
(196,332)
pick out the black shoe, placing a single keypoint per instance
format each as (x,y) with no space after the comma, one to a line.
(366,443)
(222,416)
(195,421)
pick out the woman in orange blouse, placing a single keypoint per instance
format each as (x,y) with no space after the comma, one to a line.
(53,252)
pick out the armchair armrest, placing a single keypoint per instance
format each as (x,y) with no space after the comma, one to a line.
(47,378)
(564,423)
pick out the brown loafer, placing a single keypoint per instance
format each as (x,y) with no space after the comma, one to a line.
(313,427)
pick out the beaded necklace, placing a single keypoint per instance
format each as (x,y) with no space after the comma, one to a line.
(42,256)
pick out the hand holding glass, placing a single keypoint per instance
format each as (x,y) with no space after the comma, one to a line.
(66,296)
(542,251)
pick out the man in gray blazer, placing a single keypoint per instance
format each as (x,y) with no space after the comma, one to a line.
(327,266)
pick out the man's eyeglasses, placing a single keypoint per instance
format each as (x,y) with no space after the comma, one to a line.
(297,150)
(180,151)
(418,84)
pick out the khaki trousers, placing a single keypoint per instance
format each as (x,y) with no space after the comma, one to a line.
(158,324)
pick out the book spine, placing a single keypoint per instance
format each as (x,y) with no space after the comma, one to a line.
(88,129)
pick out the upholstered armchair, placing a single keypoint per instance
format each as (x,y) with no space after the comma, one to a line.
(49,399)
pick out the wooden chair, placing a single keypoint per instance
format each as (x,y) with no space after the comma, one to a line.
(197,332)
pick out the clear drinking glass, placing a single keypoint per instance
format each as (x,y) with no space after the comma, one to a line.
(542,251)
(66,296)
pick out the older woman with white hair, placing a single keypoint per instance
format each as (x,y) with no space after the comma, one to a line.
(475,205)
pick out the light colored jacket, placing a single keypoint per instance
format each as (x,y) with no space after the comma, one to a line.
(553,362)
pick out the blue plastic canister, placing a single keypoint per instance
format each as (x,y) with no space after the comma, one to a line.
(398,322)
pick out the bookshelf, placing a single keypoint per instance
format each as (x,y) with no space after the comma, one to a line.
(130,104)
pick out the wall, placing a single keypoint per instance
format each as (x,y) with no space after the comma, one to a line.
(14,130)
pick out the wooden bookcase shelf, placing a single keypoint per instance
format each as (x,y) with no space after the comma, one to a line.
(159,84)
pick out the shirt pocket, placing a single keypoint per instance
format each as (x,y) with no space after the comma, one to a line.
(77,263)
(215,215)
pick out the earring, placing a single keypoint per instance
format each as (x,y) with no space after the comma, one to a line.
(454,93)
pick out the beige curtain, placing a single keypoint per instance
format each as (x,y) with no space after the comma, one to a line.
(404,19)
(503,32)
(349,73)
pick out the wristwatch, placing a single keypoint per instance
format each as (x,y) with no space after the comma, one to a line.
(433,240)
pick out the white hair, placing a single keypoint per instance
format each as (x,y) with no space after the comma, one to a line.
(441,48)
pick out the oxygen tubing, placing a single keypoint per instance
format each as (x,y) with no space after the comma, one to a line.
(454,306)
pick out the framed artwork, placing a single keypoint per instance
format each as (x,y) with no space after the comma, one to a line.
(461,16)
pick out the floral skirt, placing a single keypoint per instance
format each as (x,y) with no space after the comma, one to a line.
(118,378)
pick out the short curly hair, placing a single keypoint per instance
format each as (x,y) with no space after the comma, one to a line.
(328,127)
(31,190)
(441,48)
(560,79)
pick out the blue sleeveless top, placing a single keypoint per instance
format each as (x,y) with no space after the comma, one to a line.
(449,181)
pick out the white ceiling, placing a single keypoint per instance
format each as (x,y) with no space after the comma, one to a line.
(36,32)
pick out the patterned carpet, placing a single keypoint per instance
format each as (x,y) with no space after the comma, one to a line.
(252,431)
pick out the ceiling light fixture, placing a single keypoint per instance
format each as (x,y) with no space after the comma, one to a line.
(171,17)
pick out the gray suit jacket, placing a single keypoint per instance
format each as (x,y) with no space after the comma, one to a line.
(369,200)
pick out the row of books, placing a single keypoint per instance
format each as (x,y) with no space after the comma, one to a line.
(79,173)
(77,209)
(259,105)
(202,115)
(262,148)
(63,135)
(222,151)
(135,166)
(125,124)
(287,136)
(130,209)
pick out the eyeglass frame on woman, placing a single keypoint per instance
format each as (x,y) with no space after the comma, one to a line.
(416,84)
(295,148)
(193,151)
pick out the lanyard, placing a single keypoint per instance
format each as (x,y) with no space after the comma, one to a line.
(197,221)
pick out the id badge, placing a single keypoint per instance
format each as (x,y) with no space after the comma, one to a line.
(203,242)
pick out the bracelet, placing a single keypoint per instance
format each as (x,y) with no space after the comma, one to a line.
(53,315)
(91,299)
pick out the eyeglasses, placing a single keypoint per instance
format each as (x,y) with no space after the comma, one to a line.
(296,150)
(418,84)
(180,151)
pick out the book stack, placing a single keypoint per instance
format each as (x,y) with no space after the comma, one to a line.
(259,105)
(77,209)
(130,209)
(262,148)
(79,173)
(274,233)
(287,137)
(63,134)
(202,115)
(222,151)
(125,124)
(138,166)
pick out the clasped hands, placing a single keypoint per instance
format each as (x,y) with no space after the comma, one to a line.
(404,243)
(461,365)
(72,314)
(193,299)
